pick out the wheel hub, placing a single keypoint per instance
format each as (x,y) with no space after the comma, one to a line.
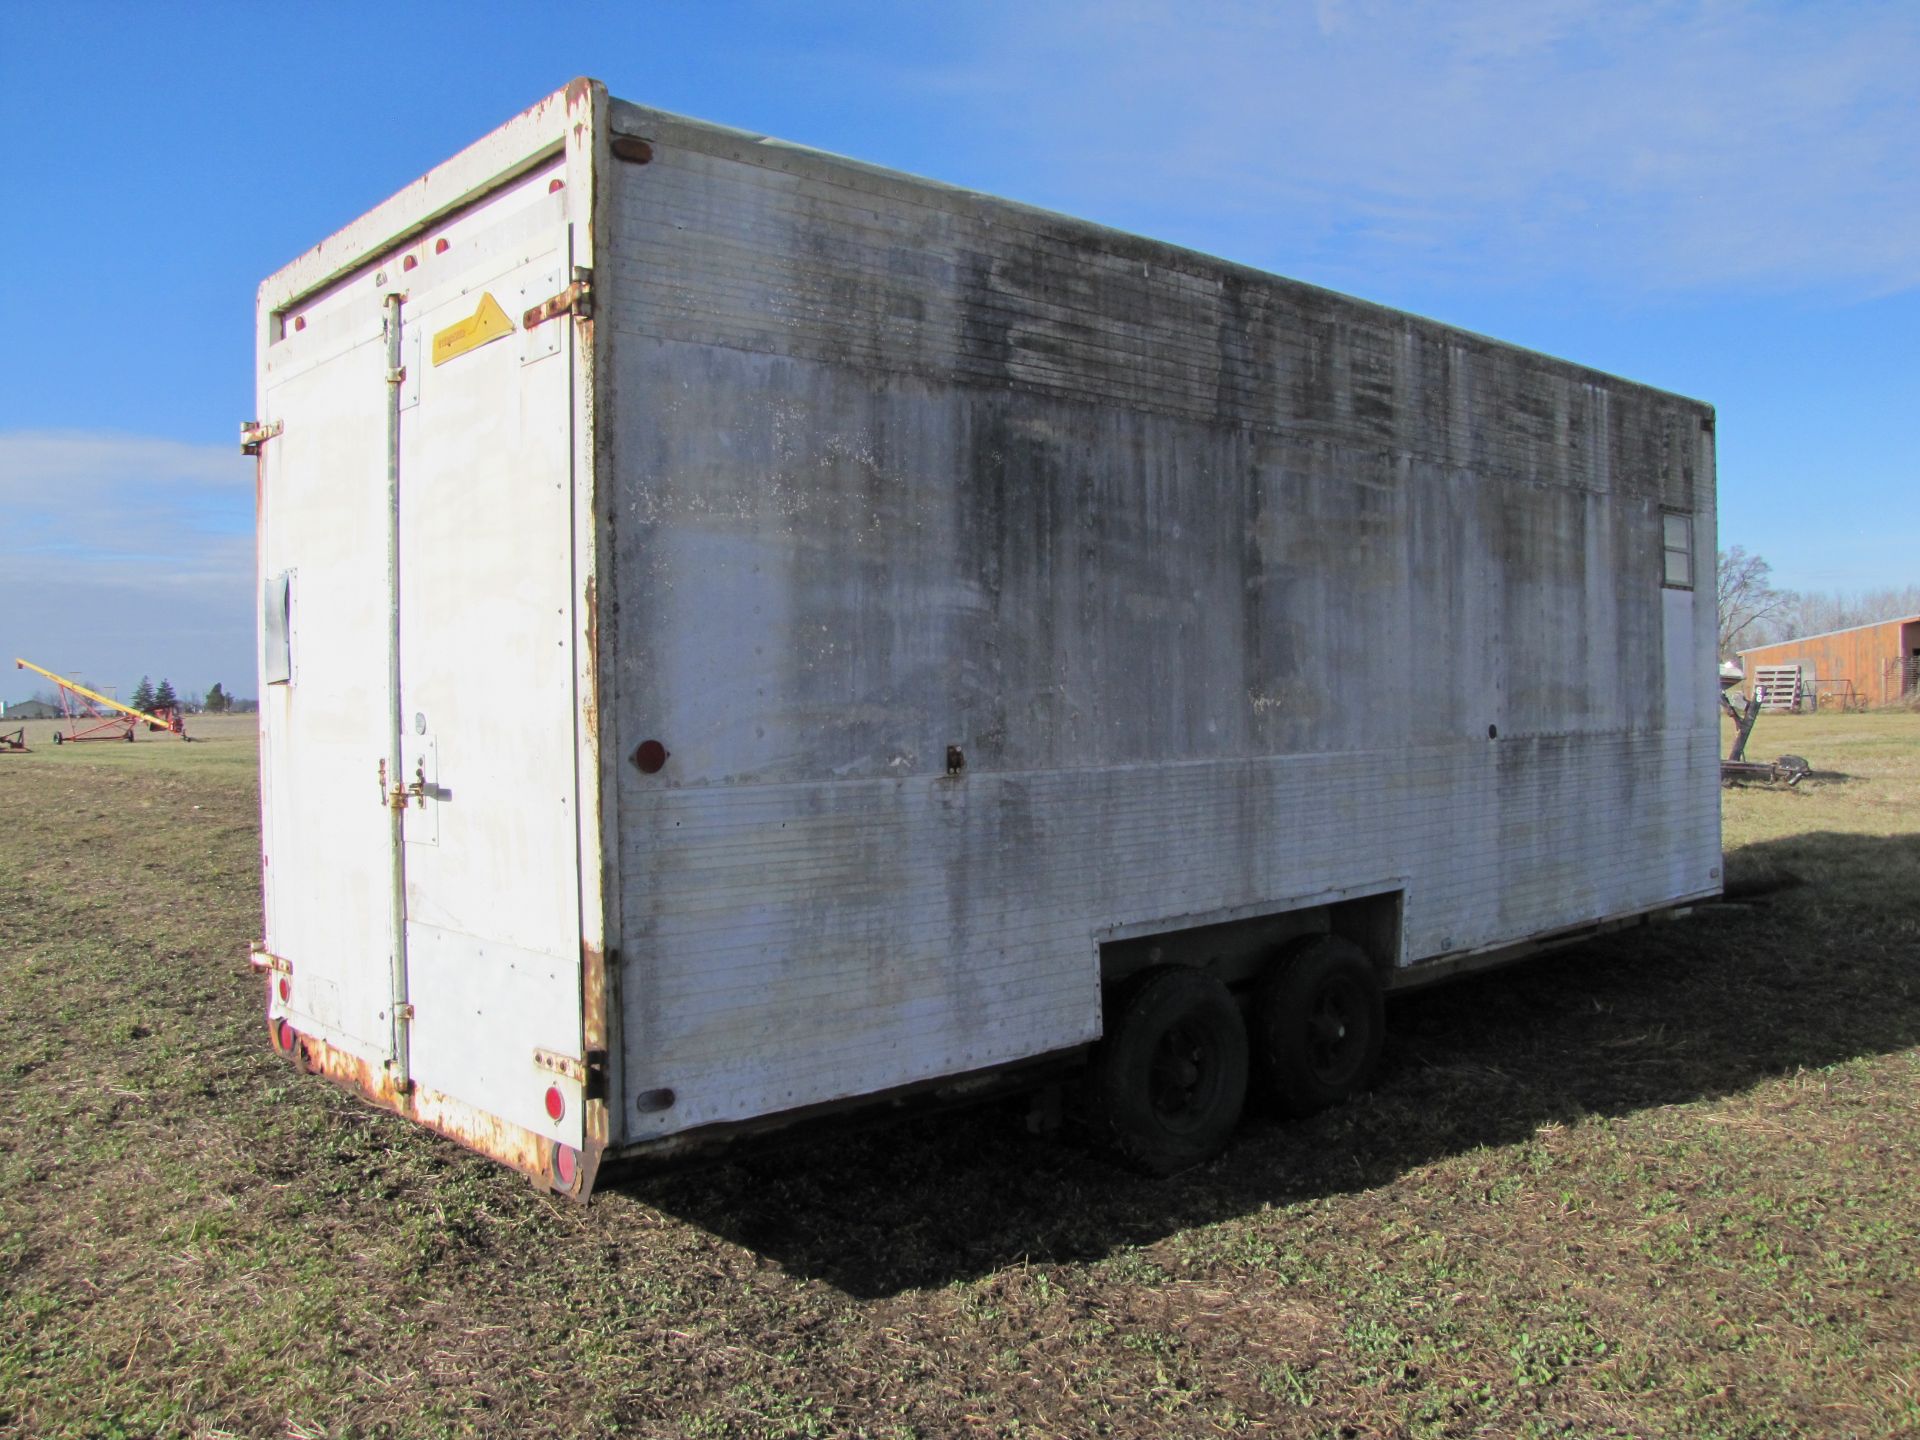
(1329,1029)
(1330,1034)
(1181,1078)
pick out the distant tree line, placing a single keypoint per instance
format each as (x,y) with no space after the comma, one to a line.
(1754,611)
(148,696)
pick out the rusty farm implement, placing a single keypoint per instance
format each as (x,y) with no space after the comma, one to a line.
(1788,769)
(89,715)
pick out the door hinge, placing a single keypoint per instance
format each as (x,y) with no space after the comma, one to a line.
(576,299)
(262,958)
(589,1074)
(255,433)
(564,1066)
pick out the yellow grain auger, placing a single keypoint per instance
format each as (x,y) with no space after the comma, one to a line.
(89,715)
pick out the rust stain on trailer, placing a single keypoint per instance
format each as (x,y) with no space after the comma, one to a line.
(595,1012)
(595,991)
(593,998)
(533,1155)
(567,302)
(590,708)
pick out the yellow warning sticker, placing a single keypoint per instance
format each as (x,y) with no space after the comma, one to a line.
(487,323)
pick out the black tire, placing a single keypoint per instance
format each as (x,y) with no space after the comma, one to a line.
(1319,1019)
(1169,1078)
(58,738)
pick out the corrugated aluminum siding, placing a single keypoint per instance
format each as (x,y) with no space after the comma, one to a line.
(1221,583)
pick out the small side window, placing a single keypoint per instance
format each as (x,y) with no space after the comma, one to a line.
(1676,539)
(276,630)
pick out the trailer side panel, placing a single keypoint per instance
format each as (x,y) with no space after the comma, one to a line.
(1212,590)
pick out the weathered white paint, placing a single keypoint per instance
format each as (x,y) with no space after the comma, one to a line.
(490,635)
(324,833)
(1233,592)
(1223,584)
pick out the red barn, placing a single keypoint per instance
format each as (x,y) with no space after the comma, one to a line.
(1877,664)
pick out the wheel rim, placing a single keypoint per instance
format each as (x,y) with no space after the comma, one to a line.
(1337,1030)
(1183,1083)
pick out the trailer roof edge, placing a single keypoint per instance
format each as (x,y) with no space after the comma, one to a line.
(534,135)
(625,116)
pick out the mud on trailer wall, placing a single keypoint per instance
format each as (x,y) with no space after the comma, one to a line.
(1002,590)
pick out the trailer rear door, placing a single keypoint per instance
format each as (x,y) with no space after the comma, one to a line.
(487,669)
(323,601)
(484,1005)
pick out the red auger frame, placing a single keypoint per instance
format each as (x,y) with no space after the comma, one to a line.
(93,716)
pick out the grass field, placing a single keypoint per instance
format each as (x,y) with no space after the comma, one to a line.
(1664,1184)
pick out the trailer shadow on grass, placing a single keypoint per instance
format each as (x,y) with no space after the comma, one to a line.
(1802,975)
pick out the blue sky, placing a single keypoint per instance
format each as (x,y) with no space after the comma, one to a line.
(1717,198)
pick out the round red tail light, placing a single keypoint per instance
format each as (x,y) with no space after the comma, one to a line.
(556,1103)
(286,989)
(566,1166)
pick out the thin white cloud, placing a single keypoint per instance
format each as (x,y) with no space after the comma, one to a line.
(123,555)
(112,498)
(91,459)
(1654,146)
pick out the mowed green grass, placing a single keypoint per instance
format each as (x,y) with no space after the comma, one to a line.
(1660,1185)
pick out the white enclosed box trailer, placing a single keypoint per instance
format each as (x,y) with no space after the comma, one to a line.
(746,633)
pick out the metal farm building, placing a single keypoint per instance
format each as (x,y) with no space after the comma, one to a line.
(1877,664)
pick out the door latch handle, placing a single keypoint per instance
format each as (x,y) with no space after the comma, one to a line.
(396,798)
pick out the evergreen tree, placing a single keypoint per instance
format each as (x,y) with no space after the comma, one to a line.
(164,695)
(143,694)
(216,701)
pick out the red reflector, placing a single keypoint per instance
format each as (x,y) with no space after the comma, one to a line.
(566,1166)
(408,263)
(556,185)
(286,988)
(440,247)
(556,1103)
(284,1037)
(299,322)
